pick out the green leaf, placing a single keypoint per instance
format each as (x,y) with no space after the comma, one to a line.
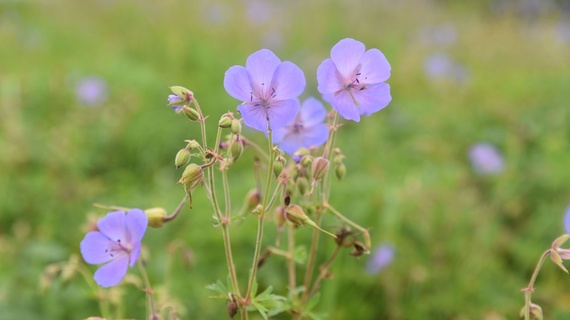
(300,255)
(219,288)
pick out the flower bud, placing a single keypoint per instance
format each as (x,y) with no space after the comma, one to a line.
(182,158)
(192,176)
(225,121)
(306,161)
(340,171)
(236,149)
(235,126)
(295,214)
(258,210)
(278,165)
(181,97)
(252,199)
(320,168)
(155,217)
(299,154)
(302,185)
(191,113)
(192,144)
(280,217)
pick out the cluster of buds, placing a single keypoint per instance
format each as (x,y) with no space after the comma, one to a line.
(180,101)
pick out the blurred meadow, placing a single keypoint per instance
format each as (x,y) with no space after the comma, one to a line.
(84,119)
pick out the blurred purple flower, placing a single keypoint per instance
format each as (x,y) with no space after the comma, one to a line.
(440,66)
(486,159)
(352,80)
(91,91)
(562,32)
(116,245)
(567,220)
(439,35)
(269,89)
(380,259)
(306,130)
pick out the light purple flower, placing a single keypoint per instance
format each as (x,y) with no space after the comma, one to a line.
(440,66)
(486,159)
(175,102)
(567,220)
(352,80)
(268,88)
(116,245)
(380,259)
(91,91)
(306,130)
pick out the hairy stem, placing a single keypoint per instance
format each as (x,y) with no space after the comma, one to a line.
(151,310)
(528,290)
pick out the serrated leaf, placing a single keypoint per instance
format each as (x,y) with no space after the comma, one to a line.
(219,288)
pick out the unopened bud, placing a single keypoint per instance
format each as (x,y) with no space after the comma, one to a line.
(182,158)
(253,198)
(192,144)
(235,126)
(302,185)
(306,161)
(181,97)
(295,214)
(258,210)
(320,168)
(278,165)
(192,176)
(236,149)
(225,121)
(280,218)
(299,154)
(191,113)
(535,311)
(155,217)
(340,171)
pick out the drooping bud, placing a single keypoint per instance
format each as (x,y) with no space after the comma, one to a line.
(155,217)
(235,126)
(340,171)
(535,311)
(302,185)
(192,144)
(191,113)
(278,165)
(320,168)
(181,97)
(252,199)
(306,161)
(182,158)
(359,249)
(225,121)
(236,149)
(192,176)
(299,154)
(295,214)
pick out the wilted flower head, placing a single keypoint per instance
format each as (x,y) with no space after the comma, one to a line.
(268,88)
(91,91)
(306,130)
(116,245)
(486,159)
(352,80)
(380,258)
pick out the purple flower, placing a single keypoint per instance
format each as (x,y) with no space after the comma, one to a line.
(352,80)
(380,259)
(175,102)
(91,91)
(440,66)
(268,88)
(306,130)
(116,244)
(567,220)
(486,159)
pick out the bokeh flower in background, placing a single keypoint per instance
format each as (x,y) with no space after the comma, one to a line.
(269,89)
(562,32)
(306,130)
(443,35)
(91,91)
(380,258)
(116,244)
(440,66)
(486,159)
(352,80)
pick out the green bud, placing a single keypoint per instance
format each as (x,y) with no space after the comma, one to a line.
(295,214)
(182,92)
(225,121)
(306,161)
(155,217)
(302,185)
(192,176)
(235,126)
(278,165)
(337,160)
(236,149)
(182,158)
(191,113)
(258,210)
(192,144)
(340,171)
(301,153)
(320,168)
(252,199)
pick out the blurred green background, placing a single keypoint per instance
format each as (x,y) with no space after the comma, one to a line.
(465,243)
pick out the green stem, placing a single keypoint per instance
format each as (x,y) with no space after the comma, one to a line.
(178,209)
(528,290)
(328,155)
(226,191)
(103,303)
(260,219)
(324,271)
(312,257)
(151,311)
(202,122)
(290,260)
(339,215)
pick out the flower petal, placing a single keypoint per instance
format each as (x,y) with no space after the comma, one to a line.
(291,143)
(136,223)
(134,256)
(254,116)
(261,65)
(113,226)
(281,113)
(374,67)
(328,78)
(344,104)
(346,55)
(93,248)
(374,98)
(315,136)
(113,272)
(238,84)
(288,81)
(312,112)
